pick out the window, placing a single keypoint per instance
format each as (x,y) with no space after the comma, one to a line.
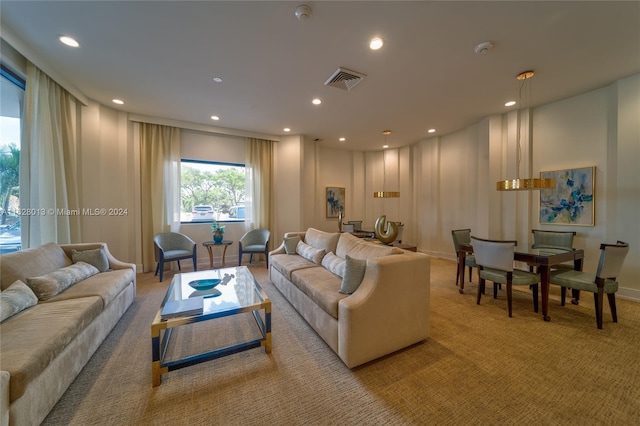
(211,190)
(11,99)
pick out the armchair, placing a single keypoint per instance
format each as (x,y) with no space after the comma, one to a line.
(173,246)
(254,241)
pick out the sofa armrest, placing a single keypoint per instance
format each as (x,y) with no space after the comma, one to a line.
(280,248)
(4,398)
(113,262)
(389,311)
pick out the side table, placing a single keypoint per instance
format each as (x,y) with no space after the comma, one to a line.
(210,245)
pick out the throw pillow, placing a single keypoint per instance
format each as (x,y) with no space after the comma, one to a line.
(313,254)
(16,298)
(96,257)
(290,244)
(334,264)
(353,274)
(48,285)
(322,240)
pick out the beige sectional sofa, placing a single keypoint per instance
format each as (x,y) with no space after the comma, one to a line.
(388,311)
(43,347)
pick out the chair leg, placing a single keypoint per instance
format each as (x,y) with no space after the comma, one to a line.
(495,290)
(266,258)
(161,269)
(179,268)
(563,295)
(481,284)
(157,268)
(457,273)
(251,258)
(470,274)
(195,263)
(240,259)
(612,305)
(534,288)
(575,297)
(598,298)
(509,299)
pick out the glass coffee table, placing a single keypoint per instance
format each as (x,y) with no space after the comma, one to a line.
(224,292)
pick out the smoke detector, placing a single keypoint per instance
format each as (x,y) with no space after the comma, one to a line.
(483,47)
(303,12)
(345,79)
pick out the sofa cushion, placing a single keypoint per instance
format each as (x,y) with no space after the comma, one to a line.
(96,257)
(310,253)
(353,274)
(106,285)
(291,243)
(48,285)
(321,286)
(360,249)
(334,264)
(16,298)
(32,340)
(322,240)
(31,262)
(286,264)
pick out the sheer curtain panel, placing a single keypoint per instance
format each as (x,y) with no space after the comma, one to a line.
(159,185)
(48,162)
(259,185)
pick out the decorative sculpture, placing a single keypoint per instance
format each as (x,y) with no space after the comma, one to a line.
(386,234)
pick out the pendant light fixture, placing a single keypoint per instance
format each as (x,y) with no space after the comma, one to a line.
(518,184)
(386,194)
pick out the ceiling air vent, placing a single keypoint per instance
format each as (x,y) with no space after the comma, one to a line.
(344,79)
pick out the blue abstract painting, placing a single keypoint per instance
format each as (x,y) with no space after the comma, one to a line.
(571,202)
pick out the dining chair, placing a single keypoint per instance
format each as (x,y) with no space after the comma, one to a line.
(254,242)
(603,281)
(173,246)
(495,263)
(553,240)
(463,236)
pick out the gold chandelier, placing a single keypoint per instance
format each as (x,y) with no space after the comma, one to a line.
(523,184)
(386,194)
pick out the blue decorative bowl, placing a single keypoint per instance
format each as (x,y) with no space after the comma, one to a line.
(205,284)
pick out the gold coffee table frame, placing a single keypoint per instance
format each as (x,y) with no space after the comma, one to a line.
(240,293)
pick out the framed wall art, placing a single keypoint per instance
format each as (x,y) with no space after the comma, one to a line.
(572,201)
(335,201)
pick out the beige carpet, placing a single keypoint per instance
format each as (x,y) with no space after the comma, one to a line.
(479,367)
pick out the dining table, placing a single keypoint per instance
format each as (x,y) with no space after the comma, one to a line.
(543,258)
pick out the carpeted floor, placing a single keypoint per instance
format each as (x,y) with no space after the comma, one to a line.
(478,367)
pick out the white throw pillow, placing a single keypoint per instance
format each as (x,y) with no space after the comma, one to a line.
(48,285)
(16,298)
(310,253)
(334,264)
(353,274)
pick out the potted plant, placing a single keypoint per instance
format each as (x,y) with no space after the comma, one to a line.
(218,232)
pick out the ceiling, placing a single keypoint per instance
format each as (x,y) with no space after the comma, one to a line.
(161,57)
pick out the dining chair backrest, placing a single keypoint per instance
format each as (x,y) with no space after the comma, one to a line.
(555,239)
(611,259)
(460,236)
(494,254)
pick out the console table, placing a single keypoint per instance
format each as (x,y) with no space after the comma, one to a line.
(210,245)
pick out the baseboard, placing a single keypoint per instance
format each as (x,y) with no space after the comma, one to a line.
(628,294)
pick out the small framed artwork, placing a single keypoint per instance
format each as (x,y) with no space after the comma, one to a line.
(572,201)
(335,201)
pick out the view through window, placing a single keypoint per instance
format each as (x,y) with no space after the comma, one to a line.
(11,99)
(211,191)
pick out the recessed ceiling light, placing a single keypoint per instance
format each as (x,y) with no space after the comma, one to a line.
(342,139)
(385,146)
(118,101)
(510,103)
(217,79)
(286,129)
(431,130)
(215,117)
(316,101)
(69,41)
(375,43)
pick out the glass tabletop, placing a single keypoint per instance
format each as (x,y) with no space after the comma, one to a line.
(222,290)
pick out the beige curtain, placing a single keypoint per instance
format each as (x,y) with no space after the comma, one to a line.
(48,163)
(159,185)
(259,189)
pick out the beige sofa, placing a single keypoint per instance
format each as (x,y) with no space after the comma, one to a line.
(388,311)
(44,347)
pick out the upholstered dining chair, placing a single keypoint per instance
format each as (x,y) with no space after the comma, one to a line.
(254,242)
(173,246)
(463,236)
(495,263)
(553,240)
(603,281)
